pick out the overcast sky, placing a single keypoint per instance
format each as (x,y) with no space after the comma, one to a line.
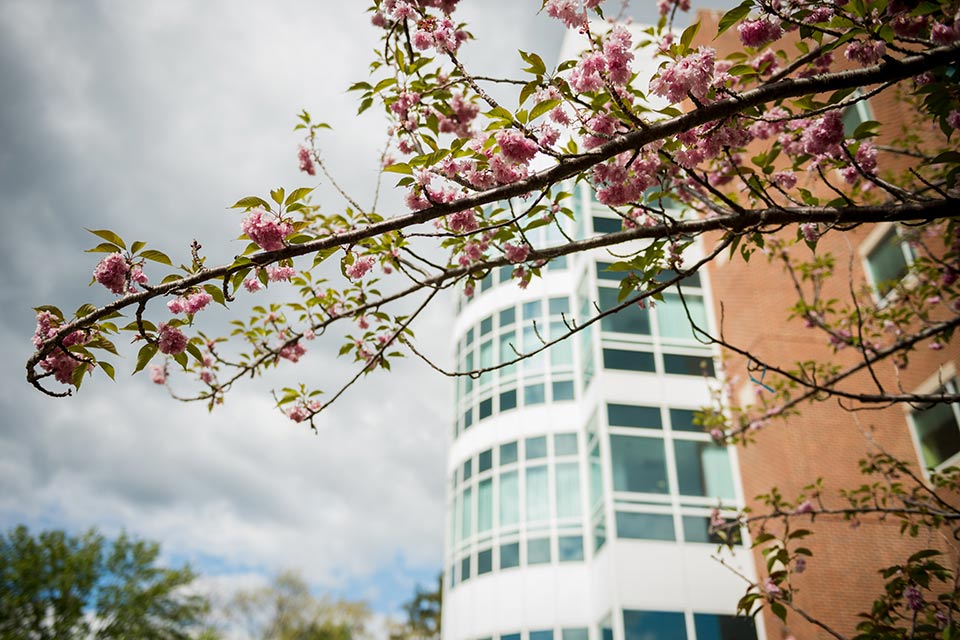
(150,118)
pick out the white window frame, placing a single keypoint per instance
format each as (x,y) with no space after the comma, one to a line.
(870,244)
(945,377)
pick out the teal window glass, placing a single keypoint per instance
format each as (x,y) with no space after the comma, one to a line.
(532,310)
(639,464)
(467,522)
(510,636)
(938,434)
(599,533)
(654,625)
(693,280)
(561,354)
(565,444)
(484,561)
(559,306)
(697,529)
(628,415)
(716,627)
(510,556)
(563,391)
(672,317)
(645,526)
(533,394)
(505,272)
(469,338)
(465,569)
(568,490)
(703,469)
(683,420)
(467,469)
(485,505)
(538,495)
(485,410)
(575,634)
(508,400)
(507,354)
(570,548)
(887,261)
(484,461)
(542,635)
(467,419)
(508,453)
(688,365)
(631,319)
(536,447)
(486,325)
(486,354)
(605,225)
(507,316)
(509,499)
(487,281)
(606,628)
(538,551)
(622,360)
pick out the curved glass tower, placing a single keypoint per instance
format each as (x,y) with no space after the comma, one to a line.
(579,488)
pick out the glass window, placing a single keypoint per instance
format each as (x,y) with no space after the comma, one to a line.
(646,526)
(484,561)
(487,281)
(485,410)
(703,469)
(467,523)
(532,310)
(485,505)
(486,354)
(605,225)
(467,419)
(565,444)
(561,354)
(469,338)
(575,634)
(510,636)
(606,628)
(888,262)
(693,280)
(484,461)
(509,499)
(538,495)
(568,490)
(563,390)
(631,319)
(508,400)
(672,318)
(697,529)
(507,316)
(510,556)
(853,116)
(536,447)
(688,365)
(467,469)
(570,548)
(654,625)
(507,353)
(538,551)
(713,627)
(486,325)
(628,360)
(938,433)
(599,533)
(508,453)
(639,464)
(542,635)
(559,306)
(533,394)
(683,420)
(628,415)
(465,569)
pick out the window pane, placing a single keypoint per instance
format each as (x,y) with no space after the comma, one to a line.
(484,561)
(508,453)
(605,225)
(938,433)
(487,281)
(563,391)
(542,635)
(486,354)
(654,625)
(485,505)
(627,415)
(536,447)
(672,319)
(465,569)
(538,551)
(509,499)
(714,627)
(533,394)
(559,306)
(682,420)
(887,262)
(467,469)
(507,316)
(639,464)
(485,461)
(486,325)
(538,498)
(532,310)
(703,469)
(606,628)
(561,354)
(507,353)
(628,360)
(697,529)
(571,548)
(646,526)
(599,533)
(688,365)
(485,410)
(565,444)
(510,556)
(508,400)
(510,636)
(632,319)
(467,524)
(568,490)
(575,634)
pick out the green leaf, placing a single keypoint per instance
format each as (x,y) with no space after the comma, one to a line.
(250,202)
(107,368)
(105,247)
(537,67)
(181,359)
(734,16)
(779,610)
(297,194)
(277,195)
(156,256)
(109,236)
(146,354)
(135,249)
(398,167)
(85,310)
(688,34)
(542,108)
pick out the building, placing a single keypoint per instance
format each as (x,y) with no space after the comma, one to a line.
(580,490)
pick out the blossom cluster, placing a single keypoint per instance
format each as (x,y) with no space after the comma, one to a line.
(190,304)
(266,230)
(117,274)
(59,362)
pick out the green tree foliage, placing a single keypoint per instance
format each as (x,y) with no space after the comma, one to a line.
(54,585)
(423,615)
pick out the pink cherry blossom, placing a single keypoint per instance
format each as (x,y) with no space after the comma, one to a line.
(265,230)
(515,146)
(689,75)
(252,285)
(171,340)
(292,352)
(158,374)
(280,274)
(865,53)
(298,413)
(516,253)
(306,161)
(756,33)
(112,273)
(359,268)
(462,221)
